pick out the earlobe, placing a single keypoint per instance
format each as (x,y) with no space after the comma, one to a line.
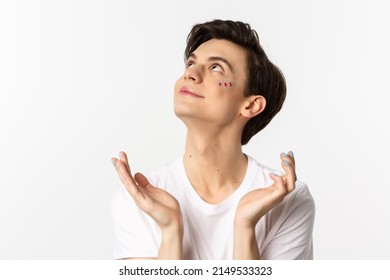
(254,106)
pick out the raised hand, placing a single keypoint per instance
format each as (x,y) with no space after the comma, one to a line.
(161,206)
(257,203)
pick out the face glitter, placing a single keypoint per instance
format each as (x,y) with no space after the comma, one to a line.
(225,84)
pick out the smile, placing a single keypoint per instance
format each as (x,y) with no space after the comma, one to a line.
(187,91)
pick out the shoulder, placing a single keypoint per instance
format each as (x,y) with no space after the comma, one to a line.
(296,211)
(168,175)
(121,202)
(302,195)
(300,205)
(170,168)
(300,200)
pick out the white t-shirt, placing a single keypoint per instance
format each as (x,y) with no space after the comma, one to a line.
(285,232)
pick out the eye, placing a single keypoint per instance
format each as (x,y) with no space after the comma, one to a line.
(189,64)
(216,67)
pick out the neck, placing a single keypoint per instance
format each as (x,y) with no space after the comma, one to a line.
(214,163)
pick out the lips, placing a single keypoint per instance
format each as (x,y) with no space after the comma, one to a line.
(187,91)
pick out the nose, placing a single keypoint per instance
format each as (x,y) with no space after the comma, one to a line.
(192,74)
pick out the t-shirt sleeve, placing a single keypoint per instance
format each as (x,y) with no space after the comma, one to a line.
(135,233)
(293,238)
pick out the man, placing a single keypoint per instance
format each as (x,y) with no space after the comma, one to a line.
(216,202)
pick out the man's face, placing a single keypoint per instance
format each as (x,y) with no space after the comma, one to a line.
(201,94)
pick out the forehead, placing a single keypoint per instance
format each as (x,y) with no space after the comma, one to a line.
(235,54)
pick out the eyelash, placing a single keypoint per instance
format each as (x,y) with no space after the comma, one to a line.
(190,63)
(218,66)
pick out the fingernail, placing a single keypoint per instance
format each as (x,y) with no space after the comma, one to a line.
(120,155)
(286,162)
(112,161)
(291,154)
(284,155)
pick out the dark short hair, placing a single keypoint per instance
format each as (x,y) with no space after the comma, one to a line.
(263,77)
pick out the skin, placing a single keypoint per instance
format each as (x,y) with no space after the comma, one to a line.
(213,159)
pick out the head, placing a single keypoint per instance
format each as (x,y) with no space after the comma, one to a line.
(230,51)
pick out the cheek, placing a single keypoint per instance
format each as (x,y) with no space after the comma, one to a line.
(225,84)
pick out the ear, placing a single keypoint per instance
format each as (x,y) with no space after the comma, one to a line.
(254,105)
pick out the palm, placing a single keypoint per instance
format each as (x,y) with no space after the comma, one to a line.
(158,204)
(257,203)
(161,206)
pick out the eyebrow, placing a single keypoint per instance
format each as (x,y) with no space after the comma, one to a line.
(215,58)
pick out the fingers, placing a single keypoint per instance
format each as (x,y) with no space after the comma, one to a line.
(288,159)
(124,174)
(123,157)
(141,180)
(278,180)
(288,164)
(122,161)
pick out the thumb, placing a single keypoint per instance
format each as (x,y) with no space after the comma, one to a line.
(141,180)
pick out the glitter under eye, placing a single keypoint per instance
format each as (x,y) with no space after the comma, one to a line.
(225,84)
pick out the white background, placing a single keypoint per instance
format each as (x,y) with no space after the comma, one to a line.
(81,80)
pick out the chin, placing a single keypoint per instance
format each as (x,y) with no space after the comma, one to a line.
(183,111)
(187,114)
